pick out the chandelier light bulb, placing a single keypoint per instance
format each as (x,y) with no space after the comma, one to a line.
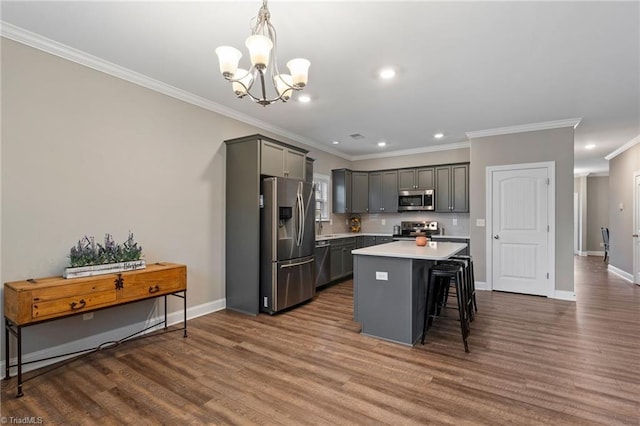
(283,85)
(299,69)
(228,57)
(244,80)
(259,50)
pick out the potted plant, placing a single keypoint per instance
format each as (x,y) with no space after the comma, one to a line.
(88,258)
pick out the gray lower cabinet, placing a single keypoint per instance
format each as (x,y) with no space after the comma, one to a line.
(383,192)
(372,240)
(452,188)
(341,257)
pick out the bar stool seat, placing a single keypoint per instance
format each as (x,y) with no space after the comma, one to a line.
(441,276)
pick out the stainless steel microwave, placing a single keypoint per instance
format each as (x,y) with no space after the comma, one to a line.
(416,200)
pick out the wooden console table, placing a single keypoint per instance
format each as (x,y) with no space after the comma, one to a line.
(35,301)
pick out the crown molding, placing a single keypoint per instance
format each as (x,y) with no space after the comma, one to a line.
(546,125)
(623,148)
(413,151)
(63,51)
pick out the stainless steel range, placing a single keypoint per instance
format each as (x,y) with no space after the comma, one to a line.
(409,230)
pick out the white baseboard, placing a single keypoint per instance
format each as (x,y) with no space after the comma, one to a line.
(619,272)
(557,294)
(481,285)
(583,253)
(596,253)
(564,295)
(109,336)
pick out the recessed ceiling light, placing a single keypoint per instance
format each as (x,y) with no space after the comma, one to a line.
(387,73)
(438,135)
(335,142)
(590,146)
(382,143)
(304,98)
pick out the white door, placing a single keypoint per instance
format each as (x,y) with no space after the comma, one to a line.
(636,228)
(520,233)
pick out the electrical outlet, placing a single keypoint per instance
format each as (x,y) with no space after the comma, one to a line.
(384,222)
(601,244)
(480,222)
(87,316)
(346,222)
(455,222)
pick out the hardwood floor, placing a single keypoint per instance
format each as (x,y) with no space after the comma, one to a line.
(532,361)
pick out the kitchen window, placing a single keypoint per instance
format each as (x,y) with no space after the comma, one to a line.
(321,183)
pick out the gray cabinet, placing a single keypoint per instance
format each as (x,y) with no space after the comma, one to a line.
(360,192)
(341,257)
(416,179)
(372,240)
(341,190)
(350,191)
(282,160)
(383,191)
(452,188)
(247,158)
(308,170)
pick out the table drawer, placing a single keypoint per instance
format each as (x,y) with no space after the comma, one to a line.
(73,289)
(154,284)
(70,305)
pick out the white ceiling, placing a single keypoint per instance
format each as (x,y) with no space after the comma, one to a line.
(463,66)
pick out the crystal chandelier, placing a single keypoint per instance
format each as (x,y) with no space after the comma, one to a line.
(262,51)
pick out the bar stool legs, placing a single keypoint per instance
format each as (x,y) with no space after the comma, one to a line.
(470,281)
(441,277)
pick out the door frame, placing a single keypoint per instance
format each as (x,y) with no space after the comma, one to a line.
(636,226)
(551,213)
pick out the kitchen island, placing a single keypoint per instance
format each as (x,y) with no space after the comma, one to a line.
(389,282)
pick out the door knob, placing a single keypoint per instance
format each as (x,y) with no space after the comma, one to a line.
(497,237)
(635,235)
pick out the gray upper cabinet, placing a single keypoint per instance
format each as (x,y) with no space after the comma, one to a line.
(282,161)
(360,192)
(416,179)
(452,188)
(308,170)
(341,190)
(383,192)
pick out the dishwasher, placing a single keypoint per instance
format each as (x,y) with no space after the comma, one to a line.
(323,262)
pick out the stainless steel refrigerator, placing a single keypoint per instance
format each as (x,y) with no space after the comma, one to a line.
(287,242)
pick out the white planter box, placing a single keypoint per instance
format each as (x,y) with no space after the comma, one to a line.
(108,268)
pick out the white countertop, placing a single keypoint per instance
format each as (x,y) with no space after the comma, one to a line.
(409,250)
(323,237)
(453,237)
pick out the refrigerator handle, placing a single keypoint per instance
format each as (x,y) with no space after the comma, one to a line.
(301,218)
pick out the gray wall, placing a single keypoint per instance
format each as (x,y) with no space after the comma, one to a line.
(597,211)
(621,169)
(85,153)
(530,147)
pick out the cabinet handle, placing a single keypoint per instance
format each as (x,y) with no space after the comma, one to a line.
(154,289)
(75,306)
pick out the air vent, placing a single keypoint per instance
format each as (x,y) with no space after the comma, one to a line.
(357,136)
